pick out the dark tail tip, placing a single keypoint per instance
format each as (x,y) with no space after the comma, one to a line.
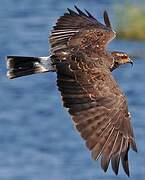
(22,66)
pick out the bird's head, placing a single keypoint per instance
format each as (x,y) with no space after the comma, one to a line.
(120,58)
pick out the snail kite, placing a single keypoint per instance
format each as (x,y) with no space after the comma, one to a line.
(94,100)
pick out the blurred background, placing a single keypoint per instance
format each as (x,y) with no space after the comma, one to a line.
(37,137)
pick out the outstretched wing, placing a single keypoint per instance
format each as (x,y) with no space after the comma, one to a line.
(99,111)
(95,102)
(82,30)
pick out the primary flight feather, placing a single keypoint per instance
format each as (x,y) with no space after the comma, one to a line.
(83,65)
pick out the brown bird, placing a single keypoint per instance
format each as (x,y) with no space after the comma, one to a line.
(95,102)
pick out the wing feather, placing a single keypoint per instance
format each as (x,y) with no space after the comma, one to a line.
(76,29)
(106,155)
(125,164)
(102,141)
(102,119)
(90,15)
(106,19)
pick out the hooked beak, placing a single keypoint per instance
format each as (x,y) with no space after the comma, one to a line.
(131,62)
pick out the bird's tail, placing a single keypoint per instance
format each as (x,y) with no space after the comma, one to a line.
(21,66)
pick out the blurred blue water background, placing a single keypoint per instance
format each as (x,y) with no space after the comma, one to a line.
(37,137)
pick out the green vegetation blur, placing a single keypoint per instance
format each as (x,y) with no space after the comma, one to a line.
(130,21)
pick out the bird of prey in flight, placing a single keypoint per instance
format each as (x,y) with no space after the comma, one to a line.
(84,68)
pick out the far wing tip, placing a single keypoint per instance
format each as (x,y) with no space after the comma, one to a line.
(106,19)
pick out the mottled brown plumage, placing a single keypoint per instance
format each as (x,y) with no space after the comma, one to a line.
(97,105)
(94,100)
